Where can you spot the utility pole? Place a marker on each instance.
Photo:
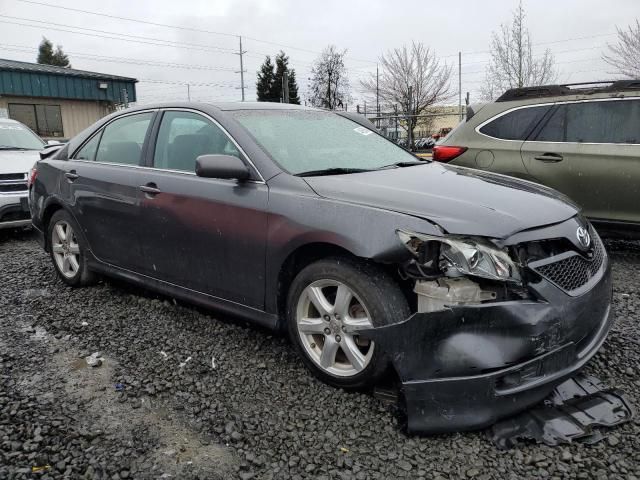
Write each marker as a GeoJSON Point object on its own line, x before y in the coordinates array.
{"type": "Point", "coordinates": [285, 87]}
{"type": "Point", "coordinates": [410, 119]}
{"type": "Point", "coordinates": [188, 92]}
{"type": "Point", "coordinates": [377, 98]}
{"type": "Point", "coordinates": [240, 53]}
{"type": "Point", "coordinates": [125, 96]}
{"type": "Point", "coordinates": [460, 85]}
{"type": "Point", "coordinates": [395, 111]}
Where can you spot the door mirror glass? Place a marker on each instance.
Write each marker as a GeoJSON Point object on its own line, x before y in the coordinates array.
{"type": "Point", "coordinates": [221, 166]}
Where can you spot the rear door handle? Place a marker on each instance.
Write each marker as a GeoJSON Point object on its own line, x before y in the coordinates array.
{"type": "Point", "coordinates": [549, 157]}
{"type": "Point", "coordinates": [71, 176]}
{"type": "Point", "coordinates": [150, 189]}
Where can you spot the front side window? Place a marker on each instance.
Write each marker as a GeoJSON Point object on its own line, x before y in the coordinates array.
{"type": "Point", "coordinates": [45, 120]}
{"type": "Point", "coordinates": [122, 139]}
{"type": "Point", "coordinates": [615, 121]}
{"type": "Point", "coordinates": [308, 140]}
{"type": "Point", "coordinates": [184, 136]}
{"type": "Point", "coordinates": [14, 136]}
{"type": "Point", "coordinates": [515, 125]}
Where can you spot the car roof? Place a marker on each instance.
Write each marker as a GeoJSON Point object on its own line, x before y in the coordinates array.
{"type": "Point", "coordinates": [224, 106]}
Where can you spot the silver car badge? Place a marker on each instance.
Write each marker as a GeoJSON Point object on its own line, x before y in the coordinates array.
{"type": "Point", "coordinates": [584, 239]}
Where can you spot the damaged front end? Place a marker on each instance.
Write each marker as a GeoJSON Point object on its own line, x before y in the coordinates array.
{"type": "Point", "coordinates": [497, 324]}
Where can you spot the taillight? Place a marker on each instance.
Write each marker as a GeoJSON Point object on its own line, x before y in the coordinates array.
{"type": "Point", "coordinates": [445, 153]}
{"type": "Point", "coordinates": [33, 173]}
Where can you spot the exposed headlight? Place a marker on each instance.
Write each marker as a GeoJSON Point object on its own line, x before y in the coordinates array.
{"type": "Point", "coordinates": [462, 255]}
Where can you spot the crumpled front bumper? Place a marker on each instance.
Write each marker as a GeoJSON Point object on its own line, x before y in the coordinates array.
{"type": "Point", "coordinates": [468, 366]}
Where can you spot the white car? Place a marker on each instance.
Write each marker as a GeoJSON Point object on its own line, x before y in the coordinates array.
{"type": "Point", "coordinates": [19, 151]}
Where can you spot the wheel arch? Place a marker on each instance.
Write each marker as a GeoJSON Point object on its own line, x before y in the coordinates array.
{"type": "Point", "coordinates": [53, 206]}
{"type": "Point", "coordinates": [299, 258]}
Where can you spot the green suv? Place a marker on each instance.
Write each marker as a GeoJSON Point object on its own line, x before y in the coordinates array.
{"type": "Point", "coordinates": [581, 139]}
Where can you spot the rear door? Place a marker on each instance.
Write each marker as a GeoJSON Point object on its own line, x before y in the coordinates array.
{"type": "Point", "coordinates": [204, 234]}
{"type": "Point", "coordinates": [101, 183]}
{"type": "Point", "coordinates": [496, 145]}
{"type": "Point", "coordinates": [590, 151]}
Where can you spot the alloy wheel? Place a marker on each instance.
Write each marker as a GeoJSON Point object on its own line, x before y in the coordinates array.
{"type": "Point", "coordinates": [328, 317]}
{"type": "Point", "coordinates": [65, 249]}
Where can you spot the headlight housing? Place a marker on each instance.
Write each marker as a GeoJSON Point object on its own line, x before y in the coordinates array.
{"type": "Point", "coordinates": [458, 255]}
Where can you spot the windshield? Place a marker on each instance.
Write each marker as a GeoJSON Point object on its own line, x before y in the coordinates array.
{"type": "Point", "coordinates": [14, 136]}
{"type": "Point", "coordinates": [311, 141]}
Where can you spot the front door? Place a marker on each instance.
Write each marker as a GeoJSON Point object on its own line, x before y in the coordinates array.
{"type": "Point", "coordinates": [590, 152]}
{"type": "Point", "coordinates": [204, 234]}
{"type": "Point", "coordinates": [102, 185]}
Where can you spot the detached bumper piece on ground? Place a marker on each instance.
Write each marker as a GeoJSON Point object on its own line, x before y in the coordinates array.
{"type": "Point", "coordinates": [570, 413]}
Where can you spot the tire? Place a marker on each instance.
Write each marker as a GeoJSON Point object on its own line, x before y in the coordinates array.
{"type": "Point", "coordinates": [376, 300]}
{"type": "Point", "coordinates": [68, 255]}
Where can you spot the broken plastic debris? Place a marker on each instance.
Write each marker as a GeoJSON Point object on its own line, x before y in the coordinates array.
{"type": "Point", "coordinates": [85, 324]}
{"type": "Point", "coordinates": [94, 360]}
{"type": "Point", "coordinates": [213, 362]}
{"type": "Point", "coordinates": [40, 469]}
{"type": "Point", "coordinates": [570, 413]}
{"type": "Point", "coordinates": [164, 354]}
{"type": "Point", "coordinates": [185, 362]}
{"type": "Point", "coordinates": [119, 387]}
{"type": "Point", "coordinates": [344, 450]}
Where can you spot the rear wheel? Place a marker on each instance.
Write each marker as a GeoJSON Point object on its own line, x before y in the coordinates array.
{"type": "Point", "coordinates": [68, 251]}
{"type": "Point", "coordinates": [330, 302]}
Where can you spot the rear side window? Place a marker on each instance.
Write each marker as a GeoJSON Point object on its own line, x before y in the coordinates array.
{"type": "Point", "coordinates": [515, 125]}
{"type": "Point", "coordinates": [616, 121]}
{"type": "Point", "coordinates": [123, 138]}
{"type": "Point", "coordinates": [184, 136]}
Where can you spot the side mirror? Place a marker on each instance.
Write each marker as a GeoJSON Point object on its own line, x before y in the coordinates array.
{"type": "Point", "coordinates": [221, 166]}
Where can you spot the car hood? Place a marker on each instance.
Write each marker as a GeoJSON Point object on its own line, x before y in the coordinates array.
{"type": "Point", "coordinates": [18, 161]}
{"type": "Point", "coordinates": [462, 201]}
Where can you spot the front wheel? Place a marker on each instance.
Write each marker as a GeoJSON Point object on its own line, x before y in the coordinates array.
{"type": "Point", "coordinates": [329, 303]}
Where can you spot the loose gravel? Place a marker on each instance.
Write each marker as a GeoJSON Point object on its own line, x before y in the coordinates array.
{"type": "Point", "coordinates": [182, 393]}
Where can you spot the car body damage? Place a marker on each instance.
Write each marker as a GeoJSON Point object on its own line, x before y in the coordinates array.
{"type": "Point", "coordinates": [471, 355]}
{"type": "Point", "coordinates": [574, 411]}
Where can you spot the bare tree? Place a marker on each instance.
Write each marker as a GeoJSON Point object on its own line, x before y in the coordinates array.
{"type": "Point", "coordinates": [412, 78]}
{"type": "Point", "coordinates": [329, 81]}
{"type": "Point", "coordinates": [625, 55]}
{"type": "Point", "coordinates": [512, 63]}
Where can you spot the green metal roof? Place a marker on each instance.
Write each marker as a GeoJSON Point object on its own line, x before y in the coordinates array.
{"type": "Point", "coordinates": [35, 80]}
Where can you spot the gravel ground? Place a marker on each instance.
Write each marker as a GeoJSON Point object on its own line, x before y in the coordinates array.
{"type": "Point", "coordinates": [157, 407]}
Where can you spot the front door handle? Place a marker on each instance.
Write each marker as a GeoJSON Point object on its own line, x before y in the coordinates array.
{"type": "Point", "coordinates": [549, 158]}
{"type": "Point", "coordinates": [150, 189]}
{"type": "Point", "coordinates": [71, 176]}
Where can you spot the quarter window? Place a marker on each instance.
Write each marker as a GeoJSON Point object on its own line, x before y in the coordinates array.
{"type": "Point", "coordinates": [88, 152]}
{"type": "Point", "coordinates": [122, 139]}
{"type": "Point", "coordinates": [594, 122]}
{"type": "Point", "coordinates": [515, 125]}
{"type": "Point", "coordinates": [184, 136]}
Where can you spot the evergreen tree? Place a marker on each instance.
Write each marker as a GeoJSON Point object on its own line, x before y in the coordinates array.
{"type": "Point", "coordinates": [282, 65]}
{"type": "Point", "coordinates": [293, 88]}
{"type": "Point", "coordinates": [266, 78]}
{"type": "Point", "coordinates": [47, 56]}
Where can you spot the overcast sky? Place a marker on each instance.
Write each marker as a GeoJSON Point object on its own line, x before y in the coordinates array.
{"type": "Point", "coordinates": [576, 31]}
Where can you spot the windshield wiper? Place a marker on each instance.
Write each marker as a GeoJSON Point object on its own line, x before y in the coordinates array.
{"type": "Point", "coordinates": [331, 171]}
{"type": "Point", "coordinates": [410, 163]}
{"type": "Point", "coordinates": [9, 147]}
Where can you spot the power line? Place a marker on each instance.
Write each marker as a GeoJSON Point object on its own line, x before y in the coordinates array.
{"type": "Point", "coordinates": [137, 37]}
{"type": "Point", "coordinates": [179, 27]}
{"type": "Point", "coordinates": [126, 60]}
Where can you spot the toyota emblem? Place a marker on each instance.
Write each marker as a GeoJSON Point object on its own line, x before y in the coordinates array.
{"type": "Point", "coordinates": [584, 239]}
